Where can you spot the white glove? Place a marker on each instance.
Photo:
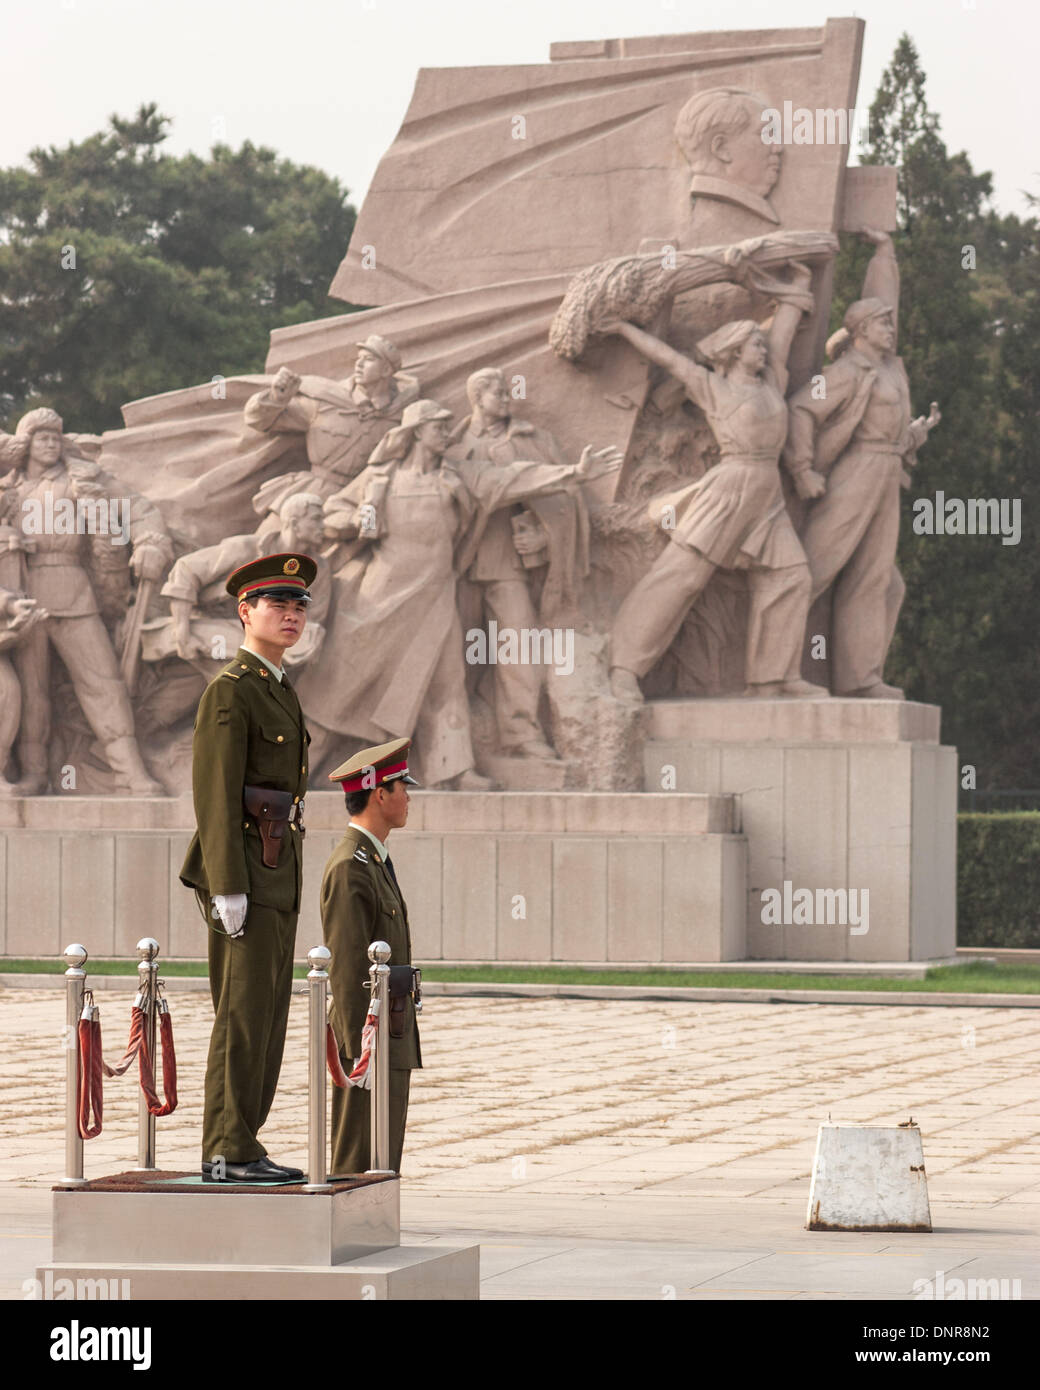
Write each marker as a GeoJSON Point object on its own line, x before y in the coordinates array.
{"type": "Point", "coordinates": [231, 909]}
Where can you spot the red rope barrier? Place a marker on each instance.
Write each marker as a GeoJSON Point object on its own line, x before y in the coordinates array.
{"type": "Point", "coordinates": [336, 1072]}
{"type": "Point", "coordinates": [88, 1079]}
{"type": "Point", "coordinates": [169, 1068]}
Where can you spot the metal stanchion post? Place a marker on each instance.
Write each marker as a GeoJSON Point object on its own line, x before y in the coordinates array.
{"type": "Point", "coordinates": [379, 984]}
{"type": "Point", "coordinates": [75, 983]}
{"type": "Point", "coordinates": [147, 994]}
{"type": "Point", "coordinates": [319, 958]}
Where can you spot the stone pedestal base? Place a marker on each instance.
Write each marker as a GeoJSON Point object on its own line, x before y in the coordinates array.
{"type": "Point", "coordinates": [171, 1240]}
{"type": "Point", "coordinates": [835, 796]}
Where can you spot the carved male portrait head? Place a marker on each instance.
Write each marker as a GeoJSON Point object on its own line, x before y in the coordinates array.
{"type": "Point", "coordinates": [488, 393]}
{"type": "Point", "coordinates": [39, 436]}
{"type": "Point", "coordinates": [720, 134]}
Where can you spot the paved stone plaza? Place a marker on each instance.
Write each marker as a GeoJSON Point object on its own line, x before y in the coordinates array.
{"type": "Point", "coordinates": [606, 1149]}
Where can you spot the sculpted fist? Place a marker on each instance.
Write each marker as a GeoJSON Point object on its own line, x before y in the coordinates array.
{"type": "Point", "coordinates": [809, 484]}
{"type": "Point", "coordinates": [285, 385]}
{"type": "Point", "coordinates": [147, 562]}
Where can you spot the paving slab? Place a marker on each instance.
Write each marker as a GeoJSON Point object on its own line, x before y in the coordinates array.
{"type": "Point", "coordinates": [608, 1148]}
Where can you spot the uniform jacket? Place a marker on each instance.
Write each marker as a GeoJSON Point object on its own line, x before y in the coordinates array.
{"type": "Point", "coordinates": [360, 903]}
{"type": "Point", "coordinates": [249, 731]}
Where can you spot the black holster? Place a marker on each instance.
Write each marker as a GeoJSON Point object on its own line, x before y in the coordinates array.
{"type": "Point", "coordinates": [271, 811]}
{"type": "Point", "coordinates": [405, 983]}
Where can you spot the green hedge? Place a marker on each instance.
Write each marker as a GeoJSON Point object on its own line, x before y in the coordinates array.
{"type": "Point", "coordinates": [998, 879]}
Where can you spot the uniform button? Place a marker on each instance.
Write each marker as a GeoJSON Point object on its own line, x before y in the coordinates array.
{"type": "Point", "coordinates": [244, 667]}
{"type": "Point", "coordinates": [294, 825]}
{"type": "Point", "coordinates": [262, 671]}
{"type": "Point", "coordinates": [304, 769]}
{"type": "Point", "coordinates": [246, 826]}
{"type": "Point", "coordinates": [281, 738]}
{"type": "Point", "coordinates": [296, 801]}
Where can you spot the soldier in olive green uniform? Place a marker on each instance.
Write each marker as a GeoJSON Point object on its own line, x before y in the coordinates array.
{"type": "Point", "coordinates": [361, 902]}
{"type": "Point", "coordinates": [246, 865]}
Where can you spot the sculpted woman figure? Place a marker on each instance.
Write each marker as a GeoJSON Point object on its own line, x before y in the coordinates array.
{"type": "Point", "coordinates": [734, 517]}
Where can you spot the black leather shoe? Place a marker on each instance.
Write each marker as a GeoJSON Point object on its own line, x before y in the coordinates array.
{"type": "Point", "coordinates": [279, 1170]}
{"type": "Point", "coordinates": [257, 1171]}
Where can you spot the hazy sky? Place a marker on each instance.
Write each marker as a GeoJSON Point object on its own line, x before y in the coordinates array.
{"type": "Point", "coordinates": [327, 82]}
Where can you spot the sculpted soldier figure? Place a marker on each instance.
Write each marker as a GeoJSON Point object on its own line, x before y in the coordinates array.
{"type": "Point", "coordinates": [249, 776]}
{"type": "Point", "coordinates": [196, 586]}
{"type": "Point", "coordinates": [362, 902]}
{"type": "Point", "coordinates": [341, 421]}
{"type": "Point", "coordinates": [50, 482]}
{"type": "Point", "coordinates": [848, 450]}
{"type": "Point", "coordinates": [494, 454]}
{"type": "Point", "coordinates": [18, 615]}
{"type": "Point", "coordinates": [734, 517]}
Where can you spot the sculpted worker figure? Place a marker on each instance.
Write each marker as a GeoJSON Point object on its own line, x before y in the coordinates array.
{"type": "Point", "coordinates": [393, 658]}
{"type": "Point", "coordinates": [848, 450]}
{"type": "Point", "coordinates": [58, 576]}
{"type": "Point", "coordinates": [362, 902]}
{"type": "Point", "coordinates": [518, 474]}
{"type": "Point", "coordinates": [734, 517]}
{"type": "Point", "coordinates": [249, 777]}
{"type": "Point", "coordinates": [341, 421]}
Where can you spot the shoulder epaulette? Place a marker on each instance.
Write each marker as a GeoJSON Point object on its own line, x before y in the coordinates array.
{"type": "Point", "coordinates": [361, 854]}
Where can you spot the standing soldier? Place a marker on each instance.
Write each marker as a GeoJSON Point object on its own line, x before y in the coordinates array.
{"type": "Point", "coordinates": [361, 902]}
{"type": "Point", "coordinates": [249, 776]}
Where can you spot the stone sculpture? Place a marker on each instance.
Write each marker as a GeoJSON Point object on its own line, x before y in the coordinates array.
{"type": "Point", "coordinates": [543, 539]}
{"type": "Point", "coordinates": [52, 495]}
{"type": "Point", "coordinates": [847, 447]}
{"type": "Point", "coordinates": [341, 421]}
{"type": "Point", "coordinates": [734, 517]}
{"type": "Point", "coordinates": [430, 537]}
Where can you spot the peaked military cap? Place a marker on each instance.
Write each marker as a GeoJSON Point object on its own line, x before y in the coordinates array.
{"type": "Point", "coordinates": [274, 576]}
{"type": "Point", "coordinates": [373, 767]}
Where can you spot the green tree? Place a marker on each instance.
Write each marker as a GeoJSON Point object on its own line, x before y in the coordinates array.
{"type": "Point", "coordinates": [960, 642]}
{"type": "Point", "coordinates": [125, 271]}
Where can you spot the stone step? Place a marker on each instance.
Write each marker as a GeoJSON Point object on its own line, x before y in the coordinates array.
{"type": "Point", "coordinates": [434, 1271]}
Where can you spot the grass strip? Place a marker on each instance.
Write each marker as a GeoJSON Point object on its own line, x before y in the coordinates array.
{"type": "Point", "coordinates": [975, 977]}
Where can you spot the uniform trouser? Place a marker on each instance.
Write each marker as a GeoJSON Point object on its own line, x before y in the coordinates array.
{"type": "Point", "coordinates": [850, 541]}
{"type": "Point", "coordinates": [250, 980]}
{"type": "Point", "coordinates": [517, 687]}
{"type": "Point", "coordinates": [650, 617]}
{"type": "Point", "coordinates": [352, 1122]}
{"type": "Point", "coordinates": [442, 728]}
{"type": "Point", "coordinates": [86, 649]}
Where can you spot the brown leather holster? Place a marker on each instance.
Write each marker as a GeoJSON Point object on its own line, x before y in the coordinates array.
{"type": "Point", "coordinates": [272, 812]}
{"type": "Point", "coordinates": [405, 983]}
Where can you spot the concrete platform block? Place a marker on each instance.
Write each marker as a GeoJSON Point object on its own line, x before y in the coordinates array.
{"type": "Point", "coordinates": [868, 1178]}
{"type": "Point", "coordinates": [136, 1221]}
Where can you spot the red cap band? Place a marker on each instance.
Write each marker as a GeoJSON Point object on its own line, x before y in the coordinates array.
{"type": "Point", "coordinates": [383, 774]}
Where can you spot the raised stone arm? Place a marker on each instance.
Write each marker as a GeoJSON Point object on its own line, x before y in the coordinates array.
{"type": "Point", "coordinates": [882, 278]}
{"type": "Point", "coordinates": [279, 409]}
{"type": "Point", "coordinates": [691, 374]}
